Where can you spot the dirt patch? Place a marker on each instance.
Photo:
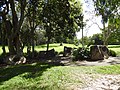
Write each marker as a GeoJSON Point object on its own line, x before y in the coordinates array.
{"type": "Point", "coordinates": [104, 82]}
{"type": "Point", "coordinates": [96, 82]}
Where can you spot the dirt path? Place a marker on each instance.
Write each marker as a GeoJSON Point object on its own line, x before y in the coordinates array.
{"type": "Point", "coordinates": [68, 61]}
{"type": "Point", "coordinates": [97, 82]}
{"type": "Point", "coordinates": [104, 82]}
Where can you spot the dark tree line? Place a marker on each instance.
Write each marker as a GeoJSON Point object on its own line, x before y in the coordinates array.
{"type": "Point", "coordinates": [21, 19]}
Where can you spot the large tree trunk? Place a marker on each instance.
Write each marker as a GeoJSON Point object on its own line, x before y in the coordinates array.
{"type": "Point", "coordinates": [3, 43]}
{"type": "Point", "coordinates": [18, 46]}
{"type": "Point", "coordinates": [12, 27]}
{"type": "Point", "coordinates": [104, 35]}
{"type": "Point", "coordinates": [2, 30]}
{"type": "Point", "coordinates": [9, 34]}
{"type": "Point", "coordinates": [16, 27]}
{"type": "Point", "coordinates": [48, 42]}
{"type": "Point", "coordinates": [11, 46]}
{"type": "Point", "coordinates": [32, 39]}
{"type": "Point", "coordinates": [28, 49]}
{"type": "Point", "coordinates": [33, 47]}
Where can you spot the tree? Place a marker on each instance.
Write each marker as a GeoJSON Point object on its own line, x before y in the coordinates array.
{"type": "Point", "coordinates": [97, 39]}
{"type": "Point", "coordinates": [32, 16]}
{"type": "Point", "coordinates": [115, 32]}
{"type": "Point", "coordinates": [13, 26]}
{"type": "Point", "coordinates": [54, 15]}
{"type": "Point", "coordinates": [107, 9]}
{"type": "Point", "coordinates": [3, 36]}
{"type": "Point", "coordinates": [86, 40]}
{"type": "Point", "coordinates": [59, 18]}
{"type": "Point", "coordinates": [40, 37]}
{"type": "Point", "coordinates": [26, 35]}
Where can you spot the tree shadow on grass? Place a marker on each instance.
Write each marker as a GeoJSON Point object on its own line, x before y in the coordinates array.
{"type": "Point", "coordinates": [33, 70]}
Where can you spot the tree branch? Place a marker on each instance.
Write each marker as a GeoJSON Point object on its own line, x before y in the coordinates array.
{"type": "Point", "coordinates": [14, 18]}
{"type": "Point", "coordinates": [7, 5]}
{"type": "Point", "coordinates": [22, 8]}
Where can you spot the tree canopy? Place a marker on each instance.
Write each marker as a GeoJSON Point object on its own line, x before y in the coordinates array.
{"type": "Point", "coordinates": [109, 10]}
{"type": "Point", "coordinates": [23, 17]}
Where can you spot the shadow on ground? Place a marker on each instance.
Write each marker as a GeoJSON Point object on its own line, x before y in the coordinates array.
{"type": "Point", "coordinates": [67, 61]}
{"type": "Point", "coordinates": [33, 70]}
{"type": "Point", "coordinates": [36, 69]}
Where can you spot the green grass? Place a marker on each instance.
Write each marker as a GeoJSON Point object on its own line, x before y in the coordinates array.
{"type": "Point", "coordinates": [59, 48]}
{"type": "Point", "coordinates": [39, 76]}
{"type": "Point", "coordinates": [56, 46]}
{"type": "Point", "coordinates": [115, 48]}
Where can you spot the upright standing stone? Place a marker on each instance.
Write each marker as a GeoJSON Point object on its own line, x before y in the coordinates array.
{"type": "Point", "coordinates": [99, 52]}
{"type": "Point", "coordinates": [67, 51]}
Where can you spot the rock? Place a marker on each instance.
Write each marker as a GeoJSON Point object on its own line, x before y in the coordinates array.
{"type": "Point", "coordinates": [51, 53]}
{"type": "Point", "coordinates": [99, 52]}
{"type": "Point", "coordinates": [9, 59]}
{"type": "Point", "coordinates": [105, 51]}
{"type": "Point", "coordinates": [22, 60]}
{"type": "Point", "coordinates": [47, 54]}
{"type": "Point", "coordinates": [67, 51]}
{"type": "Point", "coordinates": [14, 59]}
{"type": "Point", "coordinates": [42, 54]}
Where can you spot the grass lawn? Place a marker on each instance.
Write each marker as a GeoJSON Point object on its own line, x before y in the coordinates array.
{"type": "Point", "coordinates": [59, 48]}
{"type": "Point", "coordinates": [39, 76]}
{"type": "Point", "coordinates": [56, 46]}
{"type": "Point", "coordinates": [115, 48]}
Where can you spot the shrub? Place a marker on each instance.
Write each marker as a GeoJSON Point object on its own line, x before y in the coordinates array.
{"type": "Point", "coordinates": [112, 53]}
{"type": "Point", "coordinates": [81, 54]}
